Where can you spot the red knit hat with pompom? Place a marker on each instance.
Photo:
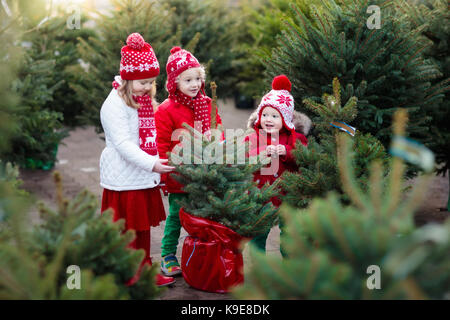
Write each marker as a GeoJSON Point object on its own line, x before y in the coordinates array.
{"type": "Point", "coordinates": [281, 99]}
{"type": "Point", "coordinates": [138, 59]}
{"type": "Point", "coordinates": [179, 60]}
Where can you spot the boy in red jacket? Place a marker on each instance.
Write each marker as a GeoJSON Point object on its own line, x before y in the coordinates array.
{"type": "Point", "coordinates": [187, 103]}
{"type": "Point", "coordinates": [276, 133]}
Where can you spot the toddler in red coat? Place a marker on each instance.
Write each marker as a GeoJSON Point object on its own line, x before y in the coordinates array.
{"type": "Point", "coordinates": [277, 129]}
{"type": "Point", "coordinates": [187, 103]}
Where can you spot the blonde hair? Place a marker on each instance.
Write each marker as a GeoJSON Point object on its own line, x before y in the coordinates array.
{"type": "Point", "coordinates": [126, 93]}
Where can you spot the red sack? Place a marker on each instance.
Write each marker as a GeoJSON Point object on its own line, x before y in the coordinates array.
{"type": "Point", "coordinates": [211, 259]}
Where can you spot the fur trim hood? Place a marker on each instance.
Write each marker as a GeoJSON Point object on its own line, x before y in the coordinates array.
{"type": "Point", "coordinates": [300, 120]}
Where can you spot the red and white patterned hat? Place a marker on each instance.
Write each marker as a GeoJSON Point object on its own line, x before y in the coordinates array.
{"type": "Point", "coordinates": [281, 99]}
{"type": "Point", "coordinates": [138, 59]}
{"type": "Point", "coordinates": [180, 60]}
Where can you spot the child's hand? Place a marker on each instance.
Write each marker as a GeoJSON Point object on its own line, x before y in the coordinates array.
{"type": "Point", "coordinates": [271, 150]}
{"type": "Point", "coordinates": [161, 168]}
{"type": "Point", "coordinates": [281, 150]}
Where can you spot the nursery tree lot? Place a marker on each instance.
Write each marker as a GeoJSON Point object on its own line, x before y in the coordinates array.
{"type": "Point", "coordinates": [346, 209]}
{"type": "Point", "coordinates": [402, 64]}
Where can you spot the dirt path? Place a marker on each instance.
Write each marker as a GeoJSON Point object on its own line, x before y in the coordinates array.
{"type": "Point", "coordinates": [78, 159]}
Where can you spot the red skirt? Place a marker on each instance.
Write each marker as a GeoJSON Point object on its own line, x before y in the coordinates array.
{"type": "Point", "coordinates": [141, 209]}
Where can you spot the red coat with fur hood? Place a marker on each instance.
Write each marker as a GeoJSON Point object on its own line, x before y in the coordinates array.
{"type": "Point", "coordinates": [278, 165]}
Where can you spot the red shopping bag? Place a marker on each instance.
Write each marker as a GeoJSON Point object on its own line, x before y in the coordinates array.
{"type": "Point", "coordinates": [211, 259]}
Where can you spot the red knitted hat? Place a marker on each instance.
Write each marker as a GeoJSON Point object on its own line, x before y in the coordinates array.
{"type": "Point", "coordinates": [279, 98]}
{"type": "Point", "coordinates": [138, 59]}
{"type": "Point", "coordinates": [180, 60]}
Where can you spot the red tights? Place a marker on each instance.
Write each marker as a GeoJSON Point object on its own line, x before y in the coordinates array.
{"type": "Point", "coordinates": [142, 241]}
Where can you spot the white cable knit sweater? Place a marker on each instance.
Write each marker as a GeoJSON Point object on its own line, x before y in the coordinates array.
{"type": "Point", "coordinates": [123, 165]}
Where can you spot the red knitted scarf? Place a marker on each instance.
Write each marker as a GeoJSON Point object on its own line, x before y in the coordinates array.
{"type": "Point", "coordinates": [200, 106]}
{"type": "Point", "coordinates": [147, 127]}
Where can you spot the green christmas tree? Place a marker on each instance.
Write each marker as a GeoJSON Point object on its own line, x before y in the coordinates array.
{"type": "Point", "coordinates": [34, 262]}
{"type": "Point", "coordinates": [334, 249]}
{"type": "Point", "coordinates": [223, 192]}
{"type": "Point", "coordinates": [10, 56]}
{"type": "Point", "coordinates": [218, 179]}
{"type": "Point", "coordinates": [318, 173]}
{"type": "Point", "coordinates": [432, 19]}
{"type": "Point", "coordinates": [383, 67]}
{"type": "Point", "coordinates": [58, 42]}
{"type": "Point", "coordinates": [27, 274]}
{"type": "Point", "coordinates": [38, 129]}
{"type": "Point", "coordinates": [212, 21]}
{"type": "Point", "coordinates": [11, 198]}
{"type": "Point", "coordinates": [260, 24]}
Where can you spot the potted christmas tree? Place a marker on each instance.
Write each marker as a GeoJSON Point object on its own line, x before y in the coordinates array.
{"type": "Point", "coordinates": [223, 206]}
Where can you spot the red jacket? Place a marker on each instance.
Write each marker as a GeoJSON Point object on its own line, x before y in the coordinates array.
{"type": "Point", "coordinates": [278, 165]}
{"type": "Point", "coordinates": [170, 116]}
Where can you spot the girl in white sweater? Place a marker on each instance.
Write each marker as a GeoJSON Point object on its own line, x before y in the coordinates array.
{"type": "Point", "coordinates": [130, 167]}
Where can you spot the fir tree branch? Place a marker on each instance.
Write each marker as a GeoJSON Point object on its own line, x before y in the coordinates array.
{"type": "Point", "coordinates": [358, 34]}
{"type": "Point", "coordinates": [340, 235]}
{"type": "Point", "coordinates": [380, 50]}
{"type": "Point", "coordinates": [376, 187]}
{"type": "Point", "coordinates": [347, 179]}
{"type": "Point", "coordinates": [299, 37]}
{"type": "Point", "coordinates": [413, 56]}
{"type": "Point", "coordinates": [361, 49]}
{"type": "Point", "coordinates": [398, 168]}
{"type": "Point", "coordinates": [312, 275]}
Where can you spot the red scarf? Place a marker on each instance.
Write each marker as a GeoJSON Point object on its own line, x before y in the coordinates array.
{"type": "Point", "coordinates": [147, 127]}
{"type": "Point", "coordinates": [200, 105]}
